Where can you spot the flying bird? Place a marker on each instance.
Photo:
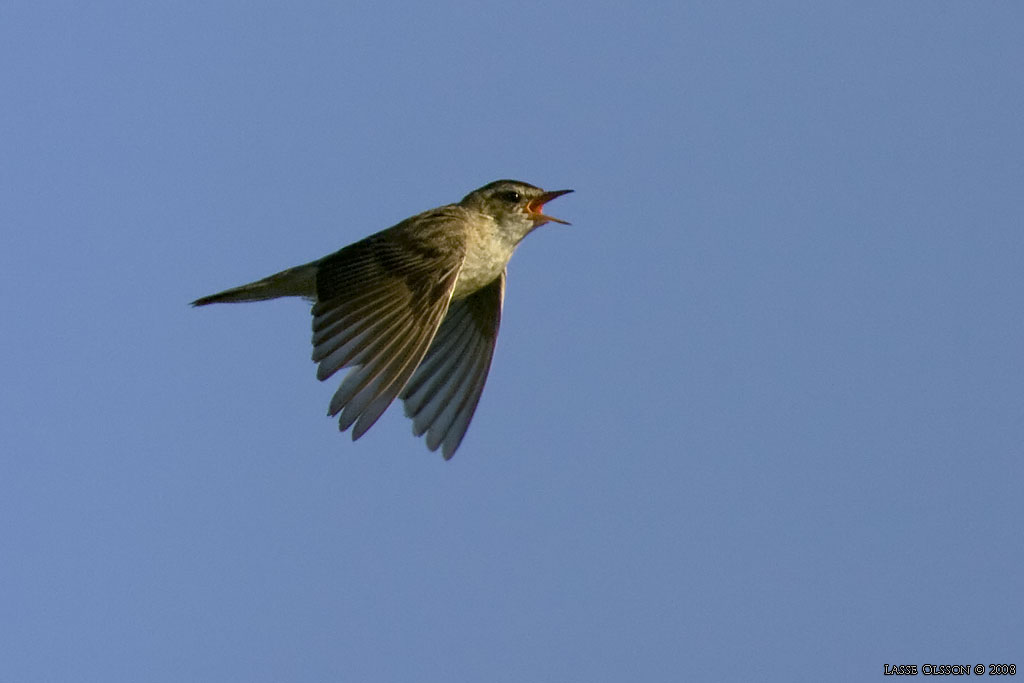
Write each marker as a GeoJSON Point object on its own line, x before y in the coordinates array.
{"type": "Point", "coordinates": [413, 311]}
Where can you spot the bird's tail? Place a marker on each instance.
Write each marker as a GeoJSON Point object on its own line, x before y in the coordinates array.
{"type": "Point", "coordinates": [297, 281]}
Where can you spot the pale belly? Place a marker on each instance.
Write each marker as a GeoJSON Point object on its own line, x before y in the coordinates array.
{"type": "Point", "coordinates": [485, 261]}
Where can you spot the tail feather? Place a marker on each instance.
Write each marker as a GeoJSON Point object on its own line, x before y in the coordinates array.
{"type": "Point", "coordinates": [297, 281]}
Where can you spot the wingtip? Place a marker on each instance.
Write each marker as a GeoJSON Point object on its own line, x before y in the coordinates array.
{"type": "Point", "coordinates": [206, 300]}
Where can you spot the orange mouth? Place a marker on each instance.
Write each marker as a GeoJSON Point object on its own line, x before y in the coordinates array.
{"type": "Point", "coordinates": [536, 207]}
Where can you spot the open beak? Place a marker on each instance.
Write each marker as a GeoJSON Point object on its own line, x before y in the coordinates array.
{"type": "Point", "coordinates": [536, 207]}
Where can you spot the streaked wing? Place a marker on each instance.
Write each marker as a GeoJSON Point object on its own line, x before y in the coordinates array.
{"type": "Point", "coordinates": [442, 396]}
{"type": "Point", "coordinates": [380, 302]}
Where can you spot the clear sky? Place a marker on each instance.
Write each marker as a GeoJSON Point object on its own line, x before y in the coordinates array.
{"type": "Point", "coordinates": [758, 414]}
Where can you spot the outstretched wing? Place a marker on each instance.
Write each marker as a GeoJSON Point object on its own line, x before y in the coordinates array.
{"type": "Point", "coordinates": [379, 304]}
{"type": "Point", "coordinates": [442, 396]}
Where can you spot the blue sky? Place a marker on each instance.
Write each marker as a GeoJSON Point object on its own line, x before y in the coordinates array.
{"type": "Point", "coordinates": [757, 414]}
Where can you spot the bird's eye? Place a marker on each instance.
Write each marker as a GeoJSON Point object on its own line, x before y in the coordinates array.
{"type": "Point", "coordinates": [510, 196]}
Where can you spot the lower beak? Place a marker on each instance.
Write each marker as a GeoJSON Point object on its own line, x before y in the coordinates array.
{"type": "Point", "coordinates": [536, 207]}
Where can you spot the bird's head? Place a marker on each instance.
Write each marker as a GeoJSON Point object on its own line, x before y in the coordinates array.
{"type": "Point", "coordinates": [516, 206]}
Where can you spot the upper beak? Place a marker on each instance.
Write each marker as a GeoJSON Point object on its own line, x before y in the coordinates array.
{"type": "Point", "coordinates": [536, 207]}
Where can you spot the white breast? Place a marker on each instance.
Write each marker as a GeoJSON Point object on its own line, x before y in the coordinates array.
{"type": "Point", "coordinates": [487, 254]}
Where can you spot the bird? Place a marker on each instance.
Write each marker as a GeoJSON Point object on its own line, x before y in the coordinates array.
{"type": "Point", "coordinates": [413, 311]}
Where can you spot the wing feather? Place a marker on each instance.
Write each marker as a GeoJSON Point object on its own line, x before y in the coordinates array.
{"type": "Point", "coordinates": [443, 393]}
{"type": "Point", "coordinates": [379, 305]}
